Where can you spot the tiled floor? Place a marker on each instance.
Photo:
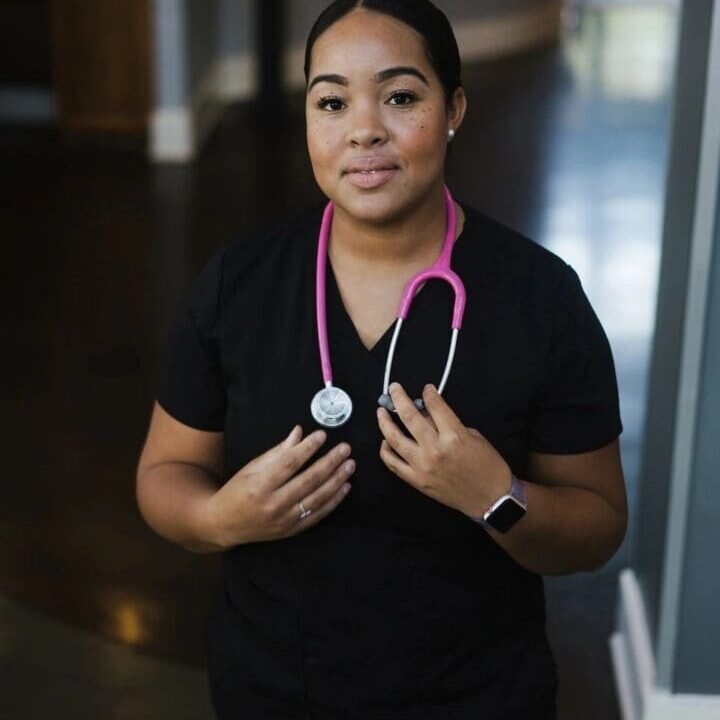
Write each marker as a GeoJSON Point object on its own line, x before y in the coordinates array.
{"type": "Point", "coordinates": [100, 618]}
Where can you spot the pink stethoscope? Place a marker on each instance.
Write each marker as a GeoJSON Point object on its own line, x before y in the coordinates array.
{"type": "Point", "coordinates": [331, 406]}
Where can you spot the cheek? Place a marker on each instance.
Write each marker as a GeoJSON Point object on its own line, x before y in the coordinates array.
{"type": "Point", "coordinates": [320, 143]}
{"type": "Point", "coordinates": [422, 133]}
{"type": "Point", "coordinates": [318, 146]}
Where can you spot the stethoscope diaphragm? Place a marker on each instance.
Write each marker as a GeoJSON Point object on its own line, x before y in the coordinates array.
{"type": "Point", "coordinates": [331, 406]}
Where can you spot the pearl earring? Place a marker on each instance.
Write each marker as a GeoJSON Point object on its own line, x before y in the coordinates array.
{"type": "Point", "coordinates": [451, 134]}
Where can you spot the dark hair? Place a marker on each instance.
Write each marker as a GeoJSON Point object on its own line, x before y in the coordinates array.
{"type": "Point", "coordinates": [421, 15]}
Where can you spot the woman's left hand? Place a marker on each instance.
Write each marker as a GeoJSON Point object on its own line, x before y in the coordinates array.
{"type": "Point", "coordinates": [443, 458]}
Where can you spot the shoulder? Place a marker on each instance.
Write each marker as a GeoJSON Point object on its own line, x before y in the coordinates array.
{"type": "Point", "coordinates": [513, 258]}
{"type": "Point", "coordinates": [235, 271]}
{"type": "Point", "coordinates": [249, 258]}
{"type": "Point", "coordinates": [271, 250]}
{"type": "Point", "coordinates": [496, 240]}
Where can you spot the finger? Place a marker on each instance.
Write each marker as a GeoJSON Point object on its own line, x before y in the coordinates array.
{"type": "Point", "coordinates": [396, 464]}
{"type": "Point", "coordinates": [412, 418]}
{"type": "Point", "coordinates": [290, 459]}
{"type": "Point", "coordinates": [288, 441]}
{"type": "Point", "coordinates": [404, 446]}
{"type": "Point", "coordinates": [272, 453]}
{"type": "Point", "coordinates": [293, 437]}
{"type": "Point", "coordinates": [312, 477]}
{"type": "Point", "coordinates": [329, 502]}
{"type": "Point", "coordinates": [441, 413]}
{"type": "Point", "coordinates": [325, 491]}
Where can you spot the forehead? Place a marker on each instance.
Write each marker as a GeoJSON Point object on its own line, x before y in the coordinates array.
{"type": "Point", "coordinates": [363, 41]}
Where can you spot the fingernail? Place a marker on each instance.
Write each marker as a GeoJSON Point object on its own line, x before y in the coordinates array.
{"type": "Point", "coordinates": [394, 386]}
{"type": "Point", "coordinates": [321, 436]}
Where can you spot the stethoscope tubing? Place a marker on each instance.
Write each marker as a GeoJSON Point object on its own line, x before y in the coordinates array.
{"type": "Point", "coordinates": [440, 269]}
{"type": "Point", "coordinates": [320, 294]}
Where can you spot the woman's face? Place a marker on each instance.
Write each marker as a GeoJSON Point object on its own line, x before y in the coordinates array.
{"type": "Point", "coordinates": [377, 121]}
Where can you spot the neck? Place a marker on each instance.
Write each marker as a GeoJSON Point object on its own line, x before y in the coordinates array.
{"type": "Point", "coordinates": [412, 238]}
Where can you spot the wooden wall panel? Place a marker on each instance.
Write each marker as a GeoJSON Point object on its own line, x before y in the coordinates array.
{"type": "Point", "coordinates": [102, 63]}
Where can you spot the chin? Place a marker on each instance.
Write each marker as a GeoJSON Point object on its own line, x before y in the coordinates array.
{"type": "Point", "coordinates": [378, 206]}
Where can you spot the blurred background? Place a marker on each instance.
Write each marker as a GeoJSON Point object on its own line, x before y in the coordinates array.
{"type": "Point", "coordinates": [137, 136]}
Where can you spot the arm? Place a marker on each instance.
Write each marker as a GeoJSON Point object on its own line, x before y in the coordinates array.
{"type": "Point", "coordinates": [576, 512]}
{"type": "Point", "coordinates": [178, 491]}
{"type": "Point", "coordinates": [178, 472]}
{"type": "Point", "coordinates": [576, 506]}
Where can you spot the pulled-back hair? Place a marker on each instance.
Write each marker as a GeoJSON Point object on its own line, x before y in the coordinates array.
{"type": "Point", "coordinates": [421, 15]}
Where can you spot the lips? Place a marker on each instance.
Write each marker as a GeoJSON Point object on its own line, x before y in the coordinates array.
{"type": "Point", "coordinates": [370, 173]}
{"type": "Point", "coordinates": [371, 165]}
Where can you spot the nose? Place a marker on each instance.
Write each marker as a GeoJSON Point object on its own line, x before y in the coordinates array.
{"type": "Point", "coordinates": [366, 126]}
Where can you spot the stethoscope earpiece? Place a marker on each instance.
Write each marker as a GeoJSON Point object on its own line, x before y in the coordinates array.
{"type": "Point", "coordinates": [386, 401]}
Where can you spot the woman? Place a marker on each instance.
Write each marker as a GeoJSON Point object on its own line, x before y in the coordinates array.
{"type": "Point", "coordinates": [407, 597]}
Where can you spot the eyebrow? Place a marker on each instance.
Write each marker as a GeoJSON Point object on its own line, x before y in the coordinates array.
{"type": "Point", "coordinates": [381, 77]}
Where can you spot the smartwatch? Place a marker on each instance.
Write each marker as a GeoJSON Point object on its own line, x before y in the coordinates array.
{"type": "Point", "coordinates": [506, 510]}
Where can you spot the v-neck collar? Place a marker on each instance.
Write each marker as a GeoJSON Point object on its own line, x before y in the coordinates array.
{"type": "Point", "coordinates": [344, 322]}
{"type": "Point", "coordinates": [335, 307]}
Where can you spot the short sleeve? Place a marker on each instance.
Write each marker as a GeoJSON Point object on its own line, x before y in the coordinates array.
{"type": "Point", "coordinates": [576, 406]}
{"type": "Point", "coordinates": [190, 384]}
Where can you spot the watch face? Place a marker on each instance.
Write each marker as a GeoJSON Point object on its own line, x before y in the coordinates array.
{"type": "Point", "coordinates": [506, 515]}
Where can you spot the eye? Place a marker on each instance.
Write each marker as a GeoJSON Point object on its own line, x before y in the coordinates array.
{"type": "Point", "coordinates": [323, 103]}
{"type": "Point", "coordinates": [406, 96]}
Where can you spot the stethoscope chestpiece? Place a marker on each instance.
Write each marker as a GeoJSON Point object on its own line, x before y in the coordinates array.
{"type": "Point", "coordinates": [331, 406]}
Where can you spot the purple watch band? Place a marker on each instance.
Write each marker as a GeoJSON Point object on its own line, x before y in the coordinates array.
{"type": "Point", "coordinates": [517, 489]}
{"type": "Point", "coordinates": [517, 493]}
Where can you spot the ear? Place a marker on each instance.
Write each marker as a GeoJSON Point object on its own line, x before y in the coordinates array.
{"type": "Point", "coordinates": [456, 108]}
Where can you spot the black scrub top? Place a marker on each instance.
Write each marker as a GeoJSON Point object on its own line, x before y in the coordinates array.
{"type": "Point", "coordinates": [394, 603]}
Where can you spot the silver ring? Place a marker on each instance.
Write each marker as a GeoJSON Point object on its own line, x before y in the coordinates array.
{"type": "Point", "coordinates": [305, 512]}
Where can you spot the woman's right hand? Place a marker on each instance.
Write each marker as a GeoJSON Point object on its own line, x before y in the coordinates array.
{"type": "Point", "coordinates": [262, 500]}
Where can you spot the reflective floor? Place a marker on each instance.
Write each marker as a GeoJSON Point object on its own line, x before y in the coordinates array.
{"type": "Point", "coordinates": [98, 616]}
